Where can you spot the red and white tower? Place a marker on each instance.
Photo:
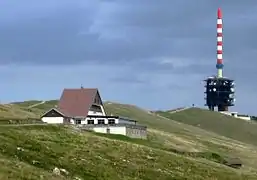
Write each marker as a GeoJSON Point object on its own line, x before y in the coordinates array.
{"type": "Point", "coordinates": [219, 64]}
{"type": "Point", "coordinates": [219, 90]}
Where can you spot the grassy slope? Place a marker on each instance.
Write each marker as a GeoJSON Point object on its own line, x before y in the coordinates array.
{"type": "Point", "coordinates": [26, 103]}
{"type": "Point", "coordinates": [221, 124]}
{"type": "Point", "coordinates": [89, 156]}
{"type": "Point", "coordinates": [14, 111]}
{"type": "Point", "coordinates": [21, 110]}
{"type": "Point", "coordinates": [165, 136]}
{"type": "Point", "coordinates": [173, 134]}
{"type": "Point", "coordinates": [46, 106]}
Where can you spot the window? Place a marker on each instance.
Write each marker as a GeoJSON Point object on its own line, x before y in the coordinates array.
{"type": "Point", "coordinates": [97, 99]}
{"type": "Point", "coordinates": [111, 121]}
{"type": "Point", "coordinates": [100, 121]}
{"type": "Point", "coordinates": [78, 121]}
{"type": "Point", "coordinates": [90, 121]}
{"type": "Point", "coordinates": [95, 108]}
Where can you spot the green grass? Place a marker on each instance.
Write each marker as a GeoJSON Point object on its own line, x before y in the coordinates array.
{"type": "Point", "coordinates": [142, 117]}
{"type": "Point", "coordinates": [19, 121]}
{"type": "Point", "coordinates": [169, 134]}
{"type": "Point", "coordinates": [15, 111]}
{"type": "Point", "coordinates": [26, 103]}
{"type": "Point", "coordinates": [157, 145]}
{"type": "Point", "coordinates": [47, 105]}
{"type": "Point", "coordinates": [89, 156]}
{"type": "Point", "coordinates": [224, 125]}
{"type": "Point", "coordinates": [173, 149]}
{"type": "Point", "coordinates": [21, 111]}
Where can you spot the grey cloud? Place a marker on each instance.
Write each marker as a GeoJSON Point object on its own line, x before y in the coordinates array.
{"type": "Point", "coordinates": [176, 29]}
{"type": "Point", "coordinates": [136, 34]}
{"type": "Point", "coordinates": [147, 46]}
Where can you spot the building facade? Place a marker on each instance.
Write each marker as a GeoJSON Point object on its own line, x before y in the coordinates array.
{"type": "Point", "coordinates": [115, 125]}
{"type": "Point", "coordinates": [84, 108]}
{"type": "Point", "coordinates": [239, 116]}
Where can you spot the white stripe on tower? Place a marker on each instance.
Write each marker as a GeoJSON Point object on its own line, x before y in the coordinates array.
{"type": "Point", "coordinates": [219, 43]}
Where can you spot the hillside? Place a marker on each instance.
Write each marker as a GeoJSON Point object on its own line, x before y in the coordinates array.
{"type": "Point", "coordinates": [15, 111]}
{"type": "Point", "coordinates": [26, 109]}
{"type": "Point", "coordinates": [171, 142]}
{"type": "Point", "coordinates": [37, 150]}
{"type": "Point", "coordinates": [216, 122]}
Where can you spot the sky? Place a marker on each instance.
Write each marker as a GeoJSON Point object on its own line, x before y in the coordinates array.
{"type": "Point", "coordinates": [154, 54]}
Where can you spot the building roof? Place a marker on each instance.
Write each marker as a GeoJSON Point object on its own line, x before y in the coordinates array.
{"type": "Point", "coordinates": [76, 102]}
{"type": "Point", "coordinates": [52, 109]}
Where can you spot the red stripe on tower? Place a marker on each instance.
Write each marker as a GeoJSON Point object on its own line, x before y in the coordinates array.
{"type": "Point", "coordinates": [219, 40]}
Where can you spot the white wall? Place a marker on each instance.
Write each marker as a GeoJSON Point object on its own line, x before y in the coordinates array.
{"type": "Point", "coordinates": [117, 121]}
{"type": "Point", "coordinates": [96, 120]}
{"type": "Point", "coordinates": [113, 130]}
{"type": "Point", "coordinates": [236, 115]}
{"type": "Point", "coordinates": [83, 121]}
{"type": "Point", "coordinates": [53, 120]}
{"type": "Point", "coordinates": [244, 118]}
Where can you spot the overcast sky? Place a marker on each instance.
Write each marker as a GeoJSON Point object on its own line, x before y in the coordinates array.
{"type": "Point", "coordinates": [150, 53]}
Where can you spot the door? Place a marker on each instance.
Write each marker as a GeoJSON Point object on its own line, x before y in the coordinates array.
{"type": "Point", "coordinates": [108, 130]}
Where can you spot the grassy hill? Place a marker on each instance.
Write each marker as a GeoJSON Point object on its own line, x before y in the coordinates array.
{"type": "Point", "coordinates": [33, 152]}
{"type": "Point", "coordinates": [23, 110]}
{"type": "Point", "coordinates": [173, 149]}
{"type": "Point", "coordinates": [216, 122]}
{"type": "Point", "coordinates": [46, 105]}
{"type": "Point", "coordinates": [15, 111]}
{"type": "Point", "coordinates": [26, 103]}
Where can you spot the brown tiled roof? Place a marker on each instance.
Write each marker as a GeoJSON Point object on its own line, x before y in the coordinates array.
{"type": "Point", "coordinates": [76, 102]}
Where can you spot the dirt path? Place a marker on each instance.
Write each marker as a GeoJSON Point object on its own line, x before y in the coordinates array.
{"type": "Point", "coordinates": [37, 104]}
{"type": "Point", "coordinates": [183, 109]}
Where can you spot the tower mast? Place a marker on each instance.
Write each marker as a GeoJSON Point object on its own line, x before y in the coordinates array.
{"type": "Point", "coordinates": [219, 64]}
